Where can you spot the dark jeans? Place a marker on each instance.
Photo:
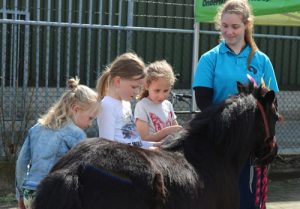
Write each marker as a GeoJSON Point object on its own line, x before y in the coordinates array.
{"type": "Point", "coordinates": [247, 198]}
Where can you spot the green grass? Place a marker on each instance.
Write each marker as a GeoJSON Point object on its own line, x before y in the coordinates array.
{"type": "Point", "coordinates": [8, 199]}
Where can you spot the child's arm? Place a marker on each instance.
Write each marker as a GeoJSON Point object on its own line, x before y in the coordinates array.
{"type": "Point", "coordinates": [143, 129]}
{"type": "Point", "coordinates": [21, 167]}
{"type": "Point", "coordinates": [106, 122]}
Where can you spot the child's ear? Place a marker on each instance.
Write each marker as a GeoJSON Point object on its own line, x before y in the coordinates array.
{"type": "Point", "coordinates": [116, 81]}
{"type": "Point", "coordinates": [146, 85]}
{"type": "Point", "coordinates": [75, 108]}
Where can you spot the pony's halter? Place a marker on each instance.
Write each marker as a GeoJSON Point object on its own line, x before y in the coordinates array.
{"type": "Point", "coordinates": [266, 124]}
{"type": "Point", "coordinates": [261, 172]}
{"type": "Point", "coordinates": [263, 114]}
{"type": "Point", "coordinates": [267, 130]}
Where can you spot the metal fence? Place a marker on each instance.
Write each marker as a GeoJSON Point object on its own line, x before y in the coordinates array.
{"type": "Point", "coordinates": [45, 42]}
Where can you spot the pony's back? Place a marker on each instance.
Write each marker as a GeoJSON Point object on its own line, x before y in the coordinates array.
{"type": "Point", "coordinates": [116, 175]}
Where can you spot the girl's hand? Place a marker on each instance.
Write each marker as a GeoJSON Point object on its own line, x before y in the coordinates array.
{"type": "Point", "coordinates": [153, 148]}
{"type": "Point", "coordinates": [155, 145]}
{"type": "Point", "coordinates": [175, 128]}
{"type": "Point", "coordinates": [21, 204]}
{"type": "Point", "coordinates": [151, 145]}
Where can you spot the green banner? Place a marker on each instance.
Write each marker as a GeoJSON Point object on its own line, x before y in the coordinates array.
{"type": "Point", "coordinates": [266, 12]}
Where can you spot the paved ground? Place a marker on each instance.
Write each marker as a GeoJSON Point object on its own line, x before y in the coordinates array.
{"type": "Point", "coordinates": [283, 194]}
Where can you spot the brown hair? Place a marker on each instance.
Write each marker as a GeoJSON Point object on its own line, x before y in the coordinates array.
{"type": "Point", "coordinates": [60, 113]}
{"type": "Point", "coordinates": [240, 7]}
{"type": "Point", "coordinates": [156, 70]}
{"type": "Point", "coordinates": [127, 66]}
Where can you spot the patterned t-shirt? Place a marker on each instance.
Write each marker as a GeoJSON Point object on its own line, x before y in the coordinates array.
{"type": "Point", "coordinates": [115, 122]}
{"type": "Point", "coordinates": [158, 116]}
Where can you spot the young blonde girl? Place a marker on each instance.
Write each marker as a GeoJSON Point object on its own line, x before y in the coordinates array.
{"type": "Point", "coordinates": [118, 85]}
{"type": "Point", "coordinates": [154, 114]}
{"type": "Point", "coordinates": [56, 132]}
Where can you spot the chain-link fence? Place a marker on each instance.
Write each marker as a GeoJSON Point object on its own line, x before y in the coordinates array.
{"type": "Point", "coordinates": [43, 43]}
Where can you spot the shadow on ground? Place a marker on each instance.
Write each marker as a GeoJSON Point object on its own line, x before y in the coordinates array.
{"type": "Point", "coordinates": [287, 190]}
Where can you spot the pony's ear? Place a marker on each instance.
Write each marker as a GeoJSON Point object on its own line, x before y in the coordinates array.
{"type": "Point", "coordinates": [269, 97]}
{"type": "Point", "coordinates": [240, 87]}
{"type": "Point", "coordinates": [252, 80]}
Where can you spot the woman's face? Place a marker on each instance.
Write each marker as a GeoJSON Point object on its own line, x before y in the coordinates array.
{"type": "Point", "coordinates": [233, 29]}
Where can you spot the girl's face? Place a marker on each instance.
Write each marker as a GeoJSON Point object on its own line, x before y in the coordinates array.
{"type": "Point", "coordinates": [128, 89]}
{"type": "Point", "coordinates": [233, 29]}
{"type": "Point", "coordinates": [159, 90]}
{"type": "Point", "coordinates": [84, 118]}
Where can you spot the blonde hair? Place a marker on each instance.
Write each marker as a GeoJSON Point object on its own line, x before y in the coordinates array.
{"type": "Point", "coordinates": [126, 66]}
{"type": "Point", "coordinates": [60, 113]}
{"type": "Point", "coordinates": [156, 70]}
{"type": "Point", "coordinates": [240, 7]}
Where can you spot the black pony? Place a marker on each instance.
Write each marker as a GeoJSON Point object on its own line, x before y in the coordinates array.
{"type": "Point", "coordinates": [198, 170]}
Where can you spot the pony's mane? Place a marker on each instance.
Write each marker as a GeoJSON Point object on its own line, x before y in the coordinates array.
{"type": "Point", "coordinates": [222, 124]}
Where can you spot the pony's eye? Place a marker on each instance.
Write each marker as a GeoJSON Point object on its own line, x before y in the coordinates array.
{"type": "Point", "coordinates": [279, 117]}
{"type": "Point", "coordinates": [275, 104]}
{"type": "Point", "coordinates": [276, 117]}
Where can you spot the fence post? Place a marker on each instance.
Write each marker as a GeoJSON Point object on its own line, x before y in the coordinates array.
{"type": "Point", "coordinates": [195, 59]}
{"type": "Point", "coordinates": [129, 23]}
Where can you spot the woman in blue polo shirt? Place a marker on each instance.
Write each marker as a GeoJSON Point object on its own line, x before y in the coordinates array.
{"type": "Point", "coordinates": [220, 68]}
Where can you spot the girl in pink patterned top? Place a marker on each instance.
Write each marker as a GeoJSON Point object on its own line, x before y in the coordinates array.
{"type": "Point", "coordinates": [154, 114]}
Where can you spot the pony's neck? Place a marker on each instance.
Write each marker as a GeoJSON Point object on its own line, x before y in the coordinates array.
{"type": "Point", "coordinates": [226, 134]}
{"type": "Point", "coordinates": [209, 160]}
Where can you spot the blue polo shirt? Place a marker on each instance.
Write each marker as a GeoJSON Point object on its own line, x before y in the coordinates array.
{"type": "Point", "coordinates": [220, 69]}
